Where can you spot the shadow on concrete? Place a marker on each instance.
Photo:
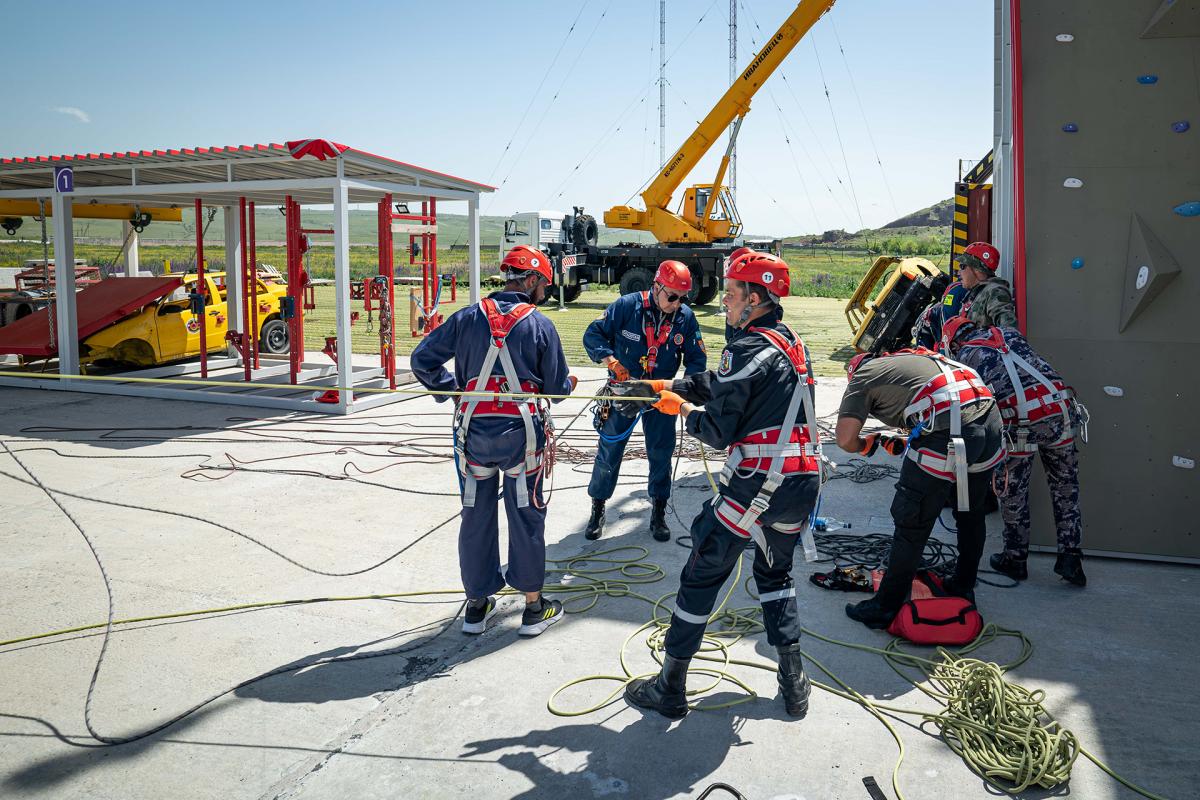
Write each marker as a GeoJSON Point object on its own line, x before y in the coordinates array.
{"type": "Point", "coordinates": [650, 757]}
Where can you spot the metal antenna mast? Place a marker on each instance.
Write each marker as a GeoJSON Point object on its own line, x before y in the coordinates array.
{"type": "Point", "coordinates": [662, 82]}
{"type": "Point", "coordinates": [732, 78]}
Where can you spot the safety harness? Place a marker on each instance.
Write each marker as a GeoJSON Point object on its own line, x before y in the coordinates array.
{"type": "Point", "coordinates": [655, 337]}
{"type": "Point", "coordinates": [788, 449]}
{"type": "Point", "coordinates": [954, 387]}
{"type": "Point", "coordinates": [501, 325]}
{"type": "Point", "coordinates": [1044, 397]}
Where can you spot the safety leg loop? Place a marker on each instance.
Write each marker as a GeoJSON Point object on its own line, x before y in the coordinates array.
{"type": "Point", "coordinates": [530, 461]}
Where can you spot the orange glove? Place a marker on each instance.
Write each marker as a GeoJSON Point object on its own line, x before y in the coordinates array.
{"type": "Point", "coordinates": [659, 384]}
{"type": "Point", "coordinates": [618, 370]}
{"type": "Point", "coordinates": [894, 445]}
{"type": "Point", "coordinates": [870, 445]}
{"type": "Point", "coordinates": [573, 381]}
{"type": "Point", "coordinates": [669, 402]}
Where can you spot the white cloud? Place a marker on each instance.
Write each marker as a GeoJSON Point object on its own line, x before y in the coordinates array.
{"type": "Point", "coordinates": [72, 111]}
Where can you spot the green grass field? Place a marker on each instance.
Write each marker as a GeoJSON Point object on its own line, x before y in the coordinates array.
{"type": "Point", "coordinates": [818, 320]}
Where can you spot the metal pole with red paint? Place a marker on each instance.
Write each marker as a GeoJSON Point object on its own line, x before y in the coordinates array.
{"type": "Point", "coordinates": [253, 278]}
{"type": "Point", "coordinates": [244, 344]}
{"type": "Point", "coordinates": [201, 289]}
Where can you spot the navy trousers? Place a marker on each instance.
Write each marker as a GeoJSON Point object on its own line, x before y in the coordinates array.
{"type": "Point", "coordinates": [715, 554]}
{"type": "Point", "coordinates": [500, 443]}
{"type": "Point", "coordinates": [660, 434]}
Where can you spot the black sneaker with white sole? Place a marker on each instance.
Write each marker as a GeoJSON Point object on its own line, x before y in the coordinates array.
{"type": "Point", "coordinates": [540, 616]}
{"type": "Point", "coordinates": [477, 614]}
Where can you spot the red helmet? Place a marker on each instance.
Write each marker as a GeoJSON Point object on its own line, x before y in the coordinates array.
{"type": "Point", "coordinates": [987, 255]}
{"type": "Point", "coordinates": [675, 276]}
{"type": "Point", "coordinates": [523, 257]}
{"type": "Point", "coordinates": [855, 363]}
{"type": "Point", "coordinates": [761, 269]}
{"type": "Point", "coordinates": [955, 328]}
{"type": "Point", "coordinates": [741, 251]}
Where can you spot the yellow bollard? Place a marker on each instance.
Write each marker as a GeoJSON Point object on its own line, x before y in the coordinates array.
{"type": "Point", "coordinates": [166, 266]}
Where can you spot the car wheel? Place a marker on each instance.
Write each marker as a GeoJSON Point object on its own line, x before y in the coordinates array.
{"type": "Point", "coordinates": [274, 338]}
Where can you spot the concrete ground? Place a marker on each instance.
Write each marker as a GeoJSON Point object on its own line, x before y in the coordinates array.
{"type": "Point", "coordinates": [452, 716]}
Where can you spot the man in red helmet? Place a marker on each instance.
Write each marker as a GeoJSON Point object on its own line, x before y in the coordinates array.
{"type": "Point", "coordinates": [978, 288]}
{"type": "Point", "coordinates": [645, 336]}
{"type": "Point", "coordinates": [501, 344]}
{"type": "Point", "coordinates": [954, 441]}
{"type": "Point", "coordinates": [759, 404]}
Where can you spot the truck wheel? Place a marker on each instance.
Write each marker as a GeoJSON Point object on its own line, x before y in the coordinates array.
{"type": "Point", "coordinates": [637, 279]}
{"type": "Point", "coordinates": [571, 293]}
{"type": "Point", "coordinates": [706, 294]}
{"type": "Point", "coordinates": [274, 338]}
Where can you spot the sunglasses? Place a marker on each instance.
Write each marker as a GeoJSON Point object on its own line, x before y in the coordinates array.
{"type": "Point", "coordinates": [671, 296]}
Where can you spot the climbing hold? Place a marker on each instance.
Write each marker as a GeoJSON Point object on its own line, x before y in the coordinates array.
{"type": "Point", "coordinates": [1073, 183]}
{"type": "Point", "coordinates": [1076, 263]}
{"type": "Point", "coordinates": [1070, 127]}
{"type": "Point", "coordinates": [1147, 80]}
{"type": "Point", "coordinates": [1191, 209]}
{"type": "Point", "coordinates": [1181, 127]}
{"type": "Point", "coordinates": [1064, 37]}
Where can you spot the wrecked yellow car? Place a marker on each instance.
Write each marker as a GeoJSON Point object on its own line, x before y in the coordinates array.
{"type": "Point", "coordinates": [167, 330]}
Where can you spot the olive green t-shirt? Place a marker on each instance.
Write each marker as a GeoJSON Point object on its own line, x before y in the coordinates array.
{"type": "Point", "coordinates": [883, 387]}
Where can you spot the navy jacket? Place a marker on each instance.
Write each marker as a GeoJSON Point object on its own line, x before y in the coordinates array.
{"type": "Point", "coordinates": [536, 349]}
{"type": "Point", "coordinates": [621, 332]}
{"type": "Point", "coordinates": [749, 391]}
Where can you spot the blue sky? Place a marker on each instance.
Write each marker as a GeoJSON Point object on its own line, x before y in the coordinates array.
{"type": "Point", "coordinates": [449, 85]}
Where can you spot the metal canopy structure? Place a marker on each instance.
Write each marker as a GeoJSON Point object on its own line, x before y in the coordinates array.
{"type": "Point", "coordinates": [295, 174]}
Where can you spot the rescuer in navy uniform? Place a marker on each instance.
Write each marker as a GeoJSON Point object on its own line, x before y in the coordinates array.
{"type": "Point", "coordinates": [501, 344]}
{"type": "Point", "coordinates": [759, 404]}
{"type": "Point", "coordinates": [643, 335]}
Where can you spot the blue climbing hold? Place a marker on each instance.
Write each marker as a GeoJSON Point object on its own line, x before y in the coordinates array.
{"type": "Point", "coordinates": [1076, 263]}
{"type": "Point", "coordinates": [1147, 80]}
{"type": "Point", "coordinates": [1070, 127]}
{"type": "Point", "coordinates": [1191, 209]}
{"type": "Point", "coordinates": [1181, 127]}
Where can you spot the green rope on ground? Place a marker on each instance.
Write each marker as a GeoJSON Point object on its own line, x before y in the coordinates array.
{"type": "Point", "coordinates": [1000, 729]}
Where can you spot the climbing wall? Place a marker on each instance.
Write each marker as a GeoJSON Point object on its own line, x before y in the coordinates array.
{"type": "Point", "coordinates": [1112, 208]}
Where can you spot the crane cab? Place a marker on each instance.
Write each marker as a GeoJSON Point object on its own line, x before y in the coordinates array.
{"type": "Point", "coordinates": [723, 223]}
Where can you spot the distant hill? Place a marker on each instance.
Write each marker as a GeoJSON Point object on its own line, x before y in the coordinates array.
{"type": "Point", "coordinates": [938, 214]}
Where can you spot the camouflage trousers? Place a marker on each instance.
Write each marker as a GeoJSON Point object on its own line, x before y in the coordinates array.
{"type": "Point", "coordinates": [1062, 477]}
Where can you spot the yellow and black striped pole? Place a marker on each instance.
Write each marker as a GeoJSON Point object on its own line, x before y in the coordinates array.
{"type": "Point", "coordinates": [962, 193]}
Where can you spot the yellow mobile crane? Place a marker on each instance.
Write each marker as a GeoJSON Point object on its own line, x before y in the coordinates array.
{"type": "Point", "coordinates": [699, 220]}
{"type": "Point", "coordinates": [702, 235]}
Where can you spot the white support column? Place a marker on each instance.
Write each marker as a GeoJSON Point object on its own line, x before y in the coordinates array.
{"type": "Point", "coordinates": [341, 280]}
{"type": "Point", "coordinates": [67, 329]}
{"type": "Point", "coordinates": [234, 276]}
{"type": "Point", "coordinates": [473, 245]}
{"type": "Point", "coordinates": [132, 259]}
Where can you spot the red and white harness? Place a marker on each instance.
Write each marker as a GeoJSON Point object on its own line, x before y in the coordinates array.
{"type": "Point", "coordinates": [655, 338]}
{"type": "Point", "coordinates": [1027, 405]}
{"type": "Point", "coordinates": [789, 449]}
{"type": "Point", "coordinates": [955, 387]}
{"type": "Point", "coordinates": [501, 326]}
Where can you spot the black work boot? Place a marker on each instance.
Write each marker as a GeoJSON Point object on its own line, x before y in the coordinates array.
{"type": "Point", "coordinates": [595, 525]}
{"type": "Point", "coordinates": [793, 683]}
{"type": "Point", "coordinates": [1070, 565]}
{"type": "Point", "coordinates": [666, 693]}
{"type": "Point", "coordinates": [870, 613]}
{"type": "Point", "coordinates": [1007, 564]}
{"type": "Point", "coordinates": [658, 521]}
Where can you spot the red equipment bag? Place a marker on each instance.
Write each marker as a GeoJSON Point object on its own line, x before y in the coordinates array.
{"type": "Point", "coordinates": [938, 620]}
{"type": "Point", "coordinates": [931, 616]}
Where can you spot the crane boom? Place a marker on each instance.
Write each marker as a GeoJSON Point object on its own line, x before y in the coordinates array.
{"type": "Point", "coordinates": [696, 223]}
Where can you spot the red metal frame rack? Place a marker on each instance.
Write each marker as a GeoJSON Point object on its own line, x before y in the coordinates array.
{"type": "Point", "coordinates": [387, 270]}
